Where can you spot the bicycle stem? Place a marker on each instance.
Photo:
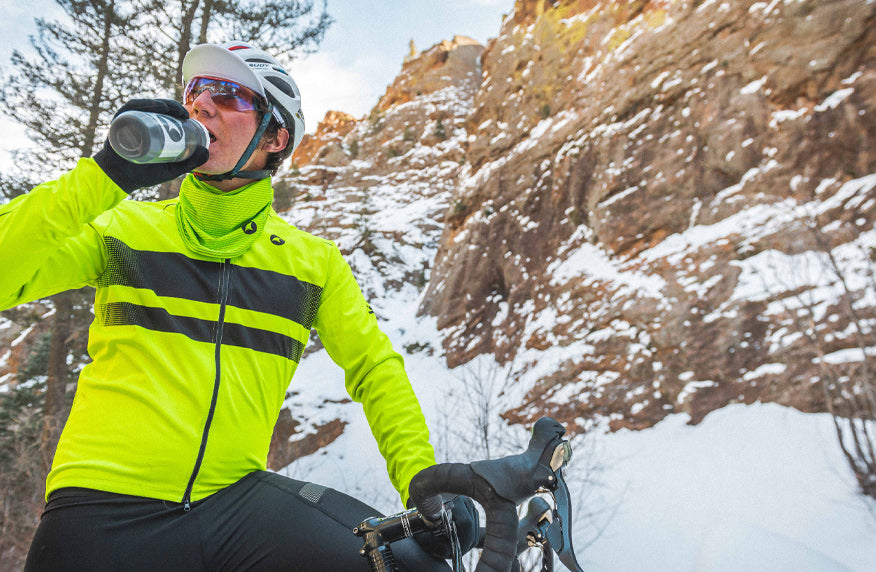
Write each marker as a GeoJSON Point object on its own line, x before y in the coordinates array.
{"type": "Point", "coordinates": [380, 532]}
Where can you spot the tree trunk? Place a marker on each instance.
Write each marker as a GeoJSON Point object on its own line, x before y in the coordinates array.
{"type": "Point", "coordinates": [205, 21]}
{"type": "Point", "coordinates": [185, 42]}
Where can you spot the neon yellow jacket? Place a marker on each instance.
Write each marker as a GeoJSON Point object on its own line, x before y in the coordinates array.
{"type": "Point", "coordinates": [192, 356]}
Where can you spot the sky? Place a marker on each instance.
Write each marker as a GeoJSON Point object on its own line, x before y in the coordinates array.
{"type": "Point", "coordinates": [363, 51]}
{"type": "Point", "coordinates": [361, 54]}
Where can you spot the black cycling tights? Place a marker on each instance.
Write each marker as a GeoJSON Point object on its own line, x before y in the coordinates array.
{"type": "Point", "coordinates": [263, 522]}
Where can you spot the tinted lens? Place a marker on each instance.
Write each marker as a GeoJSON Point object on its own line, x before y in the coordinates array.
{"type": "Point", "coordinates": [224, 93]}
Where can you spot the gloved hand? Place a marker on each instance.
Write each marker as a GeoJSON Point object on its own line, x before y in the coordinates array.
{"type": "Point", "coordinates": [465, 515]}
{"type": "Point", "coordinates": [130, 176]}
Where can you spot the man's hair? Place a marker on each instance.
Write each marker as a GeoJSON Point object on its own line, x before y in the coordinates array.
{"type": "Point", "coordinates": [276, 158]}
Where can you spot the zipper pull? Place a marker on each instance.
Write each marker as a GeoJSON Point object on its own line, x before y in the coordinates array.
{"type": "Point", "coordinates": [186, 505]}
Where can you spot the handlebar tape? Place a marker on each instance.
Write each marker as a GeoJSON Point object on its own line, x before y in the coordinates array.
{"type": "Point", "coordinates": [500, 547]}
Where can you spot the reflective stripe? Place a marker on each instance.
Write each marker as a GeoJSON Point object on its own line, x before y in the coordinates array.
{"type": "Point", "coordinates": [172, 274]}
{"type": "Point", "coordinates": [159, 319]}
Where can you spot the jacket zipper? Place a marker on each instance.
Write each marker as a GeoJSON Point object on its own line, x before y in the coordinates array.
{"type": "Point", "coordinates": [220, 325]}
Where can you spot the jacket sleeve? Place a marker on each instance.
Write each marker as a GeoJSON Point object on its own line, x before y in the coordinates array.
{"type": "Point", "coordinates": [48, 243]}
{"type": "Point", "coordinates": [374, 375]}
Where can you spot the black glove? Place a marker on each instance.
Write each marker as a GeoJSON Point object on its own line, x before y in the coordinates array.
{"type": "Point", "coordinates": [130, 176]}
{"type": "Point", "coordinates": [465, 515]}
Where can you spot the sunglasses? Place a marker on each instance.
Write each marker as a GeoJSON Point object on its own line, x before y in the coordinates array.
{"type": "Point", "coordinates": [225, 94]}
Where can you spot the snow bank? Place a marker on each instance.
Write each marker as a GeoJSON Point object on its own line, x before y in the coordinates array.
{"type": "Point", "coordinates": [759, 487]}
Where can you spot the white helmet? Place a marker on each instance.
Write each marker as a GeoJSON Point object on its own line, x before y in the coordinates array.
{"type": "Point", "coordinates": [256, 69]}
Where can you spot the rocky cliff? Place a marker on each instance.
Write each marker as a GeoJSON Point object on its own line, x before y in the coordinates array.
{"type": "Point", "coordinates": [636, 208]}
{"type": "Point", "coordinates": [671, 199]}
{"type": "Point", "coordinates": [639, 208]}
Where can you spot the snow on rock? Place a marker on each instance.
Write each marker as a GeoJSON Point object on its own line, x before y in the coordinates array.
{"type": "Point", "coordinates": [622, 236]}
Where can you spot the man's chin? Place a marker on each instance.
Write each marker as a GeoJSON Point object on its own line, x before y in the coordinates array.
{"type": "Point", "coordinates": [207, 170]}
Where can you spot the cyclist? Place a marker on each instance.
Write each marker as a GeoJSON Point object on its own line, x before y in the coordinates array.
{"type": "Point", "coordinates": [203, 306]}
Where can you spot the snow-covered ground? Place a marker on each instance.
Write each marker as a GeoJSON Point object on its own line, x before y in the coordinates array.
{"type": "Point", "coordinates": [758, 487]}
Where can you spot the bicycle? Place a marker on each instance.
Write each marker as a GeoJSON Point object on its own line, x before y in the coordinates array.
{"type": "Point", "coordinates": [499, 486]}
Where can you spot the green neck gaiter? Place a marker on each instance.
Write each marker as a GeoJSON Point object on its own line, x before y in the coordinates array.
{"type": "Point", "coordinates": [222, 225]}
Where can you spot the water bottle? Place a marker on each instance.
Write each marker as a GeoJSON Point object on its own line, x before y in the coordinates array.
{"type": "Point", "coordinates": [142, 137]}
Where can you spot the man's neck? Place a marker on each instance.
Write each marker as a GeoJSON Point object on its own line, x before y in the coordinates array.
{"type": "Point", "coordinates": [229, 185]}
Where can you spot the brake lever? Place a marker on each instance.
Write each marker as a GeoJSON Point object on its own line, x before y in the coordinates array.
{"type": "Point", "coordinates": [558, 530]}
{"type": "Point", "coordinates": [532, 531]}
{"type": "Point", "coordinates": [559, 533]}
{"type": "Point", "coordinates": [532, 527]}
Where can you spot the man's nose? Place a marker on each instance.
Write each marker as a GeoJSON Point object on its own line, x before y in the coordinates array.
{"type": "Point", "coordinates": [204, 103]}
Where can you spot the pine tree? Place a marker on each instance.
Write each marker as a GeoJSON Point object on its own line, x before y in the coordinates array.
{"type": "Point", "coordinates": [68, 89]}
{"type": "Point", "coordinates": [284, 28]}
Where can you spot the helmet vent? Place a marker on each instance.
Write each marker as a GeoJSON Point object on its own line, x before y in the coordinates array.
{"type": "Point", "coordinates": [281, 85]}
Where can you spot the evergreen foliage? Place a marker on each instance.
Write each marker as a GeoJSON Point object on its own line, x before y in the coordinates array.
{"type": "Point", "coordinates": [66, 91]}
{"type": "Point", "coordinates": [167, 31]}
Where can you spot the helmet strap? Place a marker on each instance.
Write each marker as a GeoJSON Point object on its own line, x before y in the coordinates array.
{"type": "Point", "coordinates": [236, 172]}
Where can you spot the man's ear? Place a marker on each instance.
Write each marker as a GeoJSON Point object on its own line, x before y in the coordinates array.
{"type": "Point", "coordinates": [278, 142]}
